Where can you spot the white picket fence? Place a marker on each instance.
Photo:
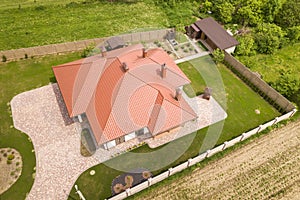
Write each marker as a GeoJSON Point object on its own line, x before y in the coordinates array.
{"type": "Point", "coordinates": [199, 158]}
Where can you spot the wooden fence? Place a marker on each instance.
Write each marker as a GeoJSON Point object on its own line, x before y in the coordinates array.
{"type": "Point", "coordinates": [199, 158]}
{"type": "Point", "coordinates": [266, 91]}
{"type": "Point", "coordinates": [68, 47]}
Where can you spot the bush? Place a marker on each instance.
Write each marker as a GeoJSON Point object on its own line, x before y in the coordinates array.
{"type": "Point", "coordinates": [10, 156]}
{"type": "Point", "coordinates": [218, 56]}
{"type": "Point", "coordinates": [8, 162]}
{"type": "Point", "coordinates": [26, 56]}
{"type": "Point", "coordinates": [4, 59]}
{"type": "Point", "coordinates": [5, 154]}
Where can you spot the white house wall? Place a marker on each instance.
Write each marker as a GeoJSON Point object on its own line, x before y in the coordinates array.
{"type": "Point", "coordinates": [230, 50]}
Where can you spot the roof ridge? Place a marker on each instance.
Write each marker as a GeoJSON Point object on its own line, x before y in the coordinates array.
{"type": "Point", "coordinates": [94, 67]}
{"type": "Point", "coordinates": [193, 114]}
{"type": "Point", "coordinates": [122, 78]}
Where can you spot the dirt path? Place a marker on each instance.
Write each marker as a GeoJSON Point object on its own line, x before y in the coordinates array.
{"type": "Point", "coordinates": [267, 168]}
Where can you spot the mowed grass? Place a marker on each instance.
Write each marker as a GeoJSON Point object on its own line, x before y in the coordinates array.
{"type": "Point", "coordinates": [237, 98]}
{"type": "Point", "coordinates": [15, 78]}
{"type": "Point", "coordinates": [49, 22]}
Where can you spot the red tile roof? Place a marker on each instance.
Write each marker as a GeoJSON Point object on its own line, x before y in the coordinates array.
{"type": "Point", "coordinates": [117, 102]}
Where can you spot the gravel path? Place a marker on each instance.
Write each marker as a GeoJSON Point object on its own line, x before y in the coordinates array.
{"type": "Point", "coordinates": [266, 168]}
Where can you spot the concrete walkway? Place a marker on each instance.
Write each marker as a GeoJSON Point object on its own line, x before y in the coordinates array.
{"type": "Point", "coordinates": [198, 55]}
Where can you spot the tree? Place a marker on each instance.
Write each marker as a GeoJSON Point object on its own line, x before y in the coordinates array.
{"type": "Point", "coordinates": [268, 38]}
{"type": "Point", "coordinates": [206, 6]}
{"type": "Point", "coordinates": [287, 84]}
{"type": "Point", "coordinates": [218, 55]}
{"type": "Point", "coordinates": [248, 12]}
{"type": "Point", "coordinates": [246, 46]}
{"type": "Point", "coordinates": [225, 12]}
{"type": "Point", "coordinates": [293, 34]}
{"type": "Point", "coordinates": [289, 15]}
{"type": "Point", "coordinates": [271, 9]}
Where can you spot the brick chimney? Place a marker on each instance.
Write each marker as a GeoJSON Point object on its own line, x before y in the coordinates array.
{"type": "Point", "coordinates": [103, 51]}
{"type": "Point", "coordinates": [163, 70]}
{"type": "Point", "coordinates": [125, 67]}
{"type": "Point", "coordinates": [178, 95]}
{"type": "Point", "coordinates": [144, 53]}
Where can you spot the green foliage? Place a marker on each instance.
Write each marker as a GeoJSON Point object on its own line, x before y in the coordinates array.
{"type": "Point", "coordinates": [270, 9]}
{"type": "Point", "coordinates": [90, 51]}
{"type": "Point", "coordinates": [293, 34]}
{"type": "Point", "coordinates": [246, 46]}
{"type": "Point", "coordinates": [225, 12]}
{"type": "Point", "coordinates": [289, 15]}
{"type": "Point", "coordinates": [4, 59]}
{"type": "Point", "coordinates": [206, 6]}
{"type": "Point", "coordinates": [10, 156]}
{"type": "Point", "coordinates": [287, 84]}
{"type": "Point", "coordinates": [249, 12]}
{"type": "Point", "coordinates": [268, 38]}
{"type": "Point", "coordinates": [218, 55]}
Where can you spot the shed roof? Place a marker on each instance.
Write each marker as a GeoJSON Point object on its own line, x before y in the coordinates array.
{"type": "Point", "coordinates": [117, 102]}
{"type": "Point", "coordinates": [115, 42]}
{"type": "Point", "coordinates": [217, 34]}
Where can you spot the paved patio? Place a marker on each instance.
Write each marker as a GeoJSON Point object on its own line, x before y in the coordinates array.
{"type": "Point", "coordinates": [57, 145]}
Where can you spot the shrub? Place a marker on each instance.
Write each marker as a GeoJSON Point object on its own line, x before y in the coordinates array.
{"type": "Point", "coordinates": [4, 59]}
{"type": "Point", "coordinates": [176, 48]}
{"type": "Point", "coordinates": [26, 56]}
{"type": "Point", "coordinates": [8, 162]}
{"type": "Point", "coordinates": [218, 55]}
{"type": "Point", "coordinates": [185, 50]}
{"type": "Point", "coordinates": [5, 154]}
{"type": "Point", "coordinates": [17, 163]}
{"type": "Point", "coordinates": [11, 157]}
{"type": "Point", "coordinates": [12, 173]}
{"type": "Point", "coordinates": [146, 174]}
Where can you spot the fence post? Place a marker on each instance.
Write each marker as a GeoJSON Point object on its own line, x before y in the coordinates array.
{"type": "Point", "coordinates": [149, 181]}
{"type": "Point", "coordinates": [275, 120]}
{"type": "Point", "coordinates": [128, 192]}
{"type": "Point", "coordinates": [207, 152]}
{"type": "Point", "coordinates": [170, 171]}
{"type": "Point", "coordinates": [259, 128]}
{"type": "Point", "coordinates": [294, 111]}
{"type": "Point", "coordinates": [189, 162]}
{"type": "Point", "coordinates": [224, 145]}
{"type": "Point", "coordinates": [243, 135]}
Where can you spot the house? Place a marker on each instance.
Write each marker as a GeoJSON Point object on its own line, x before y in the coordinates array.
{"type": "Point", "coordinates": [212, 35]}
{"type": "Point", "coordinates": [125, 93]}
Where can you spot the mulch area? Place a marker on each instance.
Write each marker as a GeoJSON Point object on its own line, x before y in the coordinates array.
{"type": "Point", "coordinates": [128, 180]}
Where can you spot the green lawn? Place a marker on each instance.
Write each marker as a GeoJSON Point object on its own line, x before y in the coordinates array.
{"type": "Point", "coordinates": [15, 78]}
{"type": "Point", "coordinates": [57, 21]}
{"type": "Point", "coordinates": [232, 94]}
{"type": "Point", "coordinates": [270, 65]}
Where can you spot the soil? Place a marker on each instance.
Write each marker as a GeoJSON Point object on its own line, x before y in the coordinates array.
{"type": "Point", "coordinates": [9, 173]}
{"type": "Point", "coordinates": [265, 168]}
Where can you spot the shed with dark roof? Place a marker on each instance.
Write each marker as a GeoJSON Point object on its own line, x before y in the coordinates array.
{"type": "Point", "coordinates": [115, 43]}
{"type": "Point", "coordinates": [211, 33]}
